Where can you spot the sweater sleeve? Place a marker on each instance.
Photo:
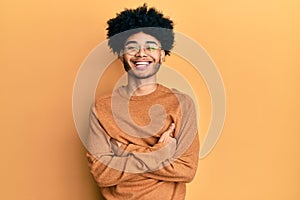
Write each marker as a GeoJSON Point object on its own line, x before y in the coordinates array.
{"type": "Point", "coordinates": [182, 169]}
{"type": "Point", "coordinates": [109, 169]}
{"type": "Point", "coordinates": [183, 165]}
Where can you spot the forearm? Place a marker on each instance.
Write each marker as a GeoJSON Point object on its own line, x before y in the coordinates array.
{"type": "Point", "coordinates": [151, 156]}
{"type": "Point", "coordinates": [183, 166]}
{"type": "Point", "coordinates": [106, 173]}
{"type": "Point", "coordinates": [106, 168]}
{"type": "Point", "coordinates": [109, 168]}
{"type": "Point", "coordinates": [182, 169]}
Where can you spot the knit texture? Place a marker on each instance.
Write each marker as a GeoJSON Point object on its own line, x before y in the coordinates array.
{"type": "Point", "coordinates": [141, 168]}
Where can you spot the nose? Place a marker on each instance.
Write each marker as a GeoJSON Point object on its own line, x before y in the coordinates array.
{"type": "Point", "coordinates": [141, 52]}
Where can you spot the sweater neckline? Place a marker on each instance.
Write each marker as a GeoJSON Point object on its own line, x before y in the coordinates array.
{"type": "Point", "coordinates": [151, 95]}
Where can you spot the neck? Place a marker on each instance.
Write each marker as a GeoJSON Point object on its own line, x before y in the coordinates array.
{"type": "Point", "coordinates": [139, 87]}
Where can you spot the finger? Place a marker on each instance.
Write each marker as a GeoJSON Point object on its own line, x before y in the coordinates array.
{"type": "Point", "coordinates": [118, 143]}
{"type": "Point", "coordinates": [172, 126]}
{"type": "Point", "coordinates": [91, 158]}
{"type": "Point", "coordinates": [161, 139]}
{"type": "Point", "coordinates": [167, 139]}
{"type": "Point", "coordinates": [171, 130]}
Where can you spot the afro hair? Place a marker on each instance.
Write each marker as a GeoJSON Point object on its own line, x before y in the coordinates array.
{"type": "Point", "coordinates": [141, 19]}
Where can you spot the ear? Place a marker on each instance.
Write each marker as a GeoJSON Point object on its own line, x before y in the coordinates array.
{"type": "Point", "coordinates": [162, 56]}
{"type": "Point", "coordinates": [121, 57]}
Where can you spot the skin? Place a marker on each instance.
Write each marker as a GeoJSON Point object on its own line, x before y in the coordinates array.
{"type": "Point", "coordinates": [143, 80]}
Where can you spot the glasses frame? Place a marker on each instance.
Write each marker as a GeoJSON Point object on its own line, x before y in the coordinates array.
{"type": "Point", "coordinates": [139, 47]}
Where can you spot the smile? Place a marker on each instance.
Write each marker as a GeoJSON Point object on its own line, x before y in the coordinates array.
{"type": "Point", "coordinates": [141, 64]}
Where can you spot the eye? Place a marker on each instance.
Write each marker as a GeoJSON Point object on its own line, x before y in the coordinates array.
{"type": "Point", "coordinates": [130, 48]}
{"type": "Point", "coordinates": [151, 47]}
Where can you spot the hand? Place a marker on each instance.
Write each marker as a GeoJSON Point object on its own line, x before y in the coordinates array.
{"type": "Point", "coordinates": [116, 142]}
{"type": "Point", "coordinates": [91, 159]}
{"type": "Point", "coordinates": [167, 136]}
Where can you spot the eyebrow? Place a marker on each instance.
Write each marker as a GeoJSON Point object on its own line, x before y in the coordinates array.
{"type": "Point", "coordinates": [135, 42]}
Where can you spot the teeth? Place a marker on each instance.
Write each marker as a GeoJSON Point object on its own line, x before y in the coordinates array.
{"type": "Point", "coordinates": [142, 63]}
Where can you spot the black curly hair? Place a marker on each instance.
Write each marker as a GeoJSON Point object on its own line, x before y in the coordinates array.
{"type": "Point", "coordinates": [141, 19]}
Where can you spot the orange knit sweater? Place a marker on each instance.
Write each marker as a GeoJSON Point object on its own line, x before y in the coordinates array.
{"type": "Point", "coordinates": [141, 168]}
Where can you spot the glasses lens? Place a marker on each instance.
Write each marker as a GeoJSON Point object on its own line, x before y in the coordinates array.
{"type": "Point", "coordinates": [134, 49]}
{"type": "Point", "coordinates": [151, 48]}
{"type": "Point", "coordinates": [131, 49]}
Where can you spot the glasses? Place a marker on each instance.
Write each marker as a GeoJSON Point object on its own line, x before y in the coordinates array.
{"type": "Point", "coordinates": [133, 49]}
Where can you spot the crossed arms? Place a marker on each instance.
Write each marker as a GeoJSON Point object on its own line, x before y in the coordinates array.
{"type": "Point", "coordinates": [172, 158]}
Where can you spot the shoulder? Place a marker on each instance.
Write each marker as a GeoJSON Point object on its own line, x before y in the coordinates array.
{"type": "Point", "coordinates": [102, 104]}
{"type": "Point", "coordinates": [103, 100]}
{"type": "Point", "coordinates": [182, 97]}
{"type": "Point", "coordinates": [98, 104]}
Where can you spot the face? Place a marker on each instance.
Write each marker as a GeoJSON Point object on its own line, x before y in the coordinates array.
{"type": "Point", "coordinates": [142, 55]}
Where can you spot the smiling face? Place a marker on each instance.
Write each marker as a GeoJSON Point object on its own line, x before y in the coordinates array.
{"type": "Point", "coordinates": [142, 55]}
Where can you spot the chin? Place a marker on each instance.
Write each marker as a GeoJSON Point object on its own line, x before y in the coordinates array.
{"type": "Point", "coordinates": [139, 74]}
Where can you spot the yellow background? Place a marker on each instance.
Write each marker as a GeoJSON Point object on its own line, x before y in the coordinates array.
{"type": "Point", "coordinates": [255, 45]}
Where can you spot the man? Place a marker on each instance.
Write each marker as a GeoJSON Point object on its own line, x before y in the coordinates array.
{"type": "Point", "coordinates": [143, 141]}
